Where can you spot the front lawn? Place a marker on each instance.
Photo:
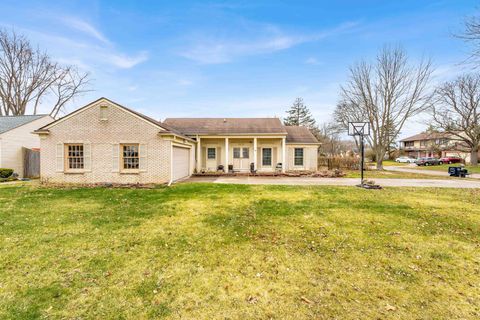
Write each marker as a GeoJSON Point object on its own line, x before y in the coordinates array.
{"type": "Point", "coordinates": [444, 167]}
{"type": "Point", "coordinates": [210, 251]}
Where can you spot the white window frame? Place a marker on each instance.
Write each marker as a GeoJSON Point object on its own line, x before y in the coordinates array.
{"type": "Point", "coordinates": [295, 157]}
{"type": "Point", "coordinates": [271, 157]}
{"type": "Point", "coordinates": [214, 153]}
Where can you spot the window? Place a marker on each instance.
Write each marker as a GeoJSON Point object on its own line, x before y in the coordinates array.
{"type": "Point", "coordinates": [75, 156]}
{"type": "Point", "coordinates": [245, 153]}
{"type": "Point", "coordinates": [130, 156]}
{"type": "Point", "coordinates": [423, 143]}
{"type": "Point", "coordinates": [298, 161]}
{"type": "Point", "coordinates": [211, 153]}
{"type": "Point", "coordinates": [266, 156]}
{"type": "Point", "coordinates": [241, 153]}
{"type": "Point", "coordinates": [409, 144]}
{"type": "Point", "coordinates": [236, 153]}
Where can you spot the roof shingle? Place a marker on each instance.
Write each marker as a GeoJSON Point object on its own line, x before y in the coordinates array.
{"type": "Point", "coordinates": [427, 136]}
{"type": "Point", "coordinates": [219, 126]}
{"type": "Point", "coordinates": [298, 134]}
{"type": "Point", "coordinates": [8, 123]}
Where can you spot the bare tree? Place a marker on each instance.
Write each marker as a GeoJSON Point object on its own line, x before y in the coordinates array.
{"type": "Point", "coordinates": [386, 94]}
{"type": "Point", "coordinates": [456, 110]}
{"type": "Point", "coordinates": [471, 34]}
{"type": "Point", "coordinates": [29, 77]}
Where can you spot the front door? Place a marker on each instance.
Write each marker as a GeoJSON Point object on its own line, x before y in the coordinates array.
{"type": "Point", "coordinates": [241, 158]}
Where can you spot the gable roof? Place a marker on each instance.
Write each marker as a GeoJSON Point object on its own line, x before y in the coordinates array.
{"type": "Point", "coordinates": [219, 126]}
{"type": "Point", "coordinates": [8, 123]}
{"type": "Point", "coordinates": [298, 134]}
{"type": "Point", "coordinates": [166, 129]}
{"type": "Point", "coordinates": [427, 136]}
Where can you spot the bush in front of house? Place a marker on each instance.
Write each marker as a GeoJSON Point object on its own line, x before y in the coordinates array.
{"type": "Point", "coordinates": [5, 173]}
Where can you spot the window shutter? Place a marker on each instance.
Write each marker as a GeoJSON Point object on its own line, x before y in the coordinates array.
{"type": "Point", "coordinates": [87, 156]}
{"type": "Point", "coordinates": [142, 150]}
{"type": "Point", "coordinates": [59, 156]}
{"type": "Point", "coordinates": [115, 157]}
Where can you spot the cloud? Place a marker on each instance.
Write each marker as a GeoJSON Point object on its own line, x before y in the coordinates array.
{"type": "Point", "coordinates": [127, 62]}
{"type": "Point", "coordinates": [312, 61]}
{"type": "Point", "coordinates": [85, 27]}
{"type": "Point", "coordinates": [254, 40]}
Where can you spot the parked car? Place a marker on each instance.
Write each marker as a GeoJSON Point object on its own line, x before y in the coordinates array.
{"type": "Point", "coordinates": [405, 159]}
{"type": "Point", "coordinates": [428, 161]}
{"type": "Point", "coordinates": [451, 160]}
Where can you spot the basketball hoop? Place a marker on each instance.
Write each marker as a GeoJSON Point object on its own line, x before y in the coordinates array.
{"type": "Point", "coordinates": [360, 129]}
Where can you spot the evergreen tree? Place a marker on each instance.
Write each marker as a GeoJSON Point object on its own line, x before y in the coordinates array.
{"type": "Point", "coordinates": [300, 115]}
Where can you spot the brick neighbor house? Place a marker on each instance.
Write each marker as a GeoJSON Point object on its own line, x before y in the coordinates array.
{"type": "Point", "coordinates": [434, 144]}
{"type": "Point", "coordinates": [104, 142]}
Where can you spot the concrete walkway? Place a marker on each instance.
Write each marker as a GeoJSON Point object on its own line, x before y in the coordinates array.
{"type": "Point", "coordinates": [307, 181]}
{"type": "Point", "coordinates": [411, 169]}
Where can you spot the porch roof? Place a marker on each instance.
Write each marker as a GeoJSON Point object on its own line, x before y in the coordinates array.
{"type": "Point", "coordinates": [226, 126]}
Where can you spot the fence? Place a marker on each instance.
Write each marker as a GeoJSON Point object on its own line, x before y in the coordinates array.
{"type": "Point", "coordinates": [331, 163]}
{"type": "Point", "coordinates": [31, 163]}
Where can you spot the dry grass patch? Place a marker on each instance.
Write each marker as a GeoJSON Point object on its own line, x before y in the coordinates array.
{"type": "Point", "coordinates": [209, 251]}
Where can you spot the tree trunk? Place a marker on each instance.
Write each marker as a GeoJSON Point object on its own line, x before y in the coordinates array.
{"type": "Point", "coordinates": [474, 157]}
{"type": "Point", "coordinates": [379, 155]}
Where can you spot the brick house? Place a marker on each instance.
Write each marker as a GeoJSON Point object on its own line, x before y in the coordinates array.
{"type": "Point", "coordinates": [434, 144]}
{"type": "Point", "coordinates": [104, 142]}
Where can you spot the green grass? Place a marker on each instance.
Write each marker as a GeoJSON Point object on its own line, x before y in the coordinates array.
{"type": "Point", "coordinates": [374, 174]}
{"type": "Point", "coordinates": [444, 167]}
{"type": "Point", "coordinates": [209, 251]}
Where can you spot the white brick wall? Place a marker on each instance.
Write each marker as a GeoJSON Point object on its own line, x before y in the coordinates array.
{"type": "Point", "coordinates": [120, 127]}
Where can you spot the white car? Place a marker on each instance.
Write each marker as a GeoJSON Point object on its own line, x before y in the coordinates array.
{"type": "Point", "coordinates": [405, 159]}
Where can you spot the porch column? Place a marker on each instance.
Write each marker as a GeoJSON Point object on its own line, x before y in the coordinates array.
{"type": "Point", "coordinates": [255, 153]}
{"type": "Point", "coordinates": [226, 155]}
{"type": "Point", "coordinates": [284, 152]}
{"type": "Point", "coordinates": [199, 155]}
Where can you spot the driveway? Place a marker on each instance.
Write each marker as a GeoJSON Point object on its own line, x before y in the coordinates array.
{"type": "Point", "coordinates": [308, 181]}
{"type": "Point", "coordinates": [412, 169]}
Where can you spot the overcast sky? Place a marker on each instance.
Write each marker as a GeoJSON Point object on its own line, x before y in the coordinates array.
{"type": "Point", "coordinates": [235, 58]}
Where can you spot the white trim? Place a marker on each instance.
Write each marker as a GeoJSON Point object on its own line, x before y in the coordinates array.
{"type": "Point", "coordinates": [243, 136]}
{"type": "Point", "coordinates": [284, 155]}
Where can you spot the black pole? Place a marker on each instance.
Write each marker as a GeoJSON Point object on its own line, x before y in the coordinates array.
{"type": "Point", "coordinates": [363, 157]}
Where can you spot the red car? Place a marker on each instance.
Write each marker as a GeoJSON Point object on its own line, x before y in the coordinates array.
{"type": "Point", "coordinates": [451, 160]}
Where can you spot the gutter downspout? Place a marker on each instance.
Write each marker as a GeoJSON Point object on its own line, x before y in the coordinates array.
{"type": "Point", "coordinates": [171, 164]}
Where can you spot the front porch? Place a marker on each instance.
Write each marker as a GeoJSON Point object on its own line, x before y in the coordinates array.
{"type": "Point", "coordinates": [238, 154]}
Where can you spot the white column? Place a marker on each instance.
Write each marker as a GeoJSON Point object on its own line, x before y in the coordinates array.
{"type": "Point", "coordinates": [226, 155]}
{"type": "Point", "coordinates": [255, 153]}
{"type": "Point", "coordinates": [199, 155]}
{"type": "Point", "coordinates": [284, 152]}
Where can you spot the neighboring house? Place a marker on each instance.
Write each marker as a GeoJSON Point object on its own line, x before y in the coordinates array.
{"type": "Point", "coordinates": [16, 132]}
{"type": "Point", "coordinates": [434, 144]}
{"type": "Point", "coordinates": [104, 142]}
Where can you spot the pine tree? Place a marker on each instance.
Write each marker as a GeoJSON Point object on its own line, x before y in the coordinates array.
{"type": "Point", "coordinates": [300, 115]}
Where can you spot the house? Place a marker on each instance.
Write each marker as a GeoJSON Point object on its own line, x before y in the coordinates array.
{"type": "Point", "coordinates": [16, 132]}
{"type": "Point", "coordinates": [426, 144]}
{"type": "Point", "coordinates": [105, 142]}
{"type": "Point", "coordinates": [434, 144]}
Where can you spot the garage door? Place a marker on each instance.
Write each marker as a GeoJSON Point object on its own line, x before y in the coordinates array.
{"type": "Point", "coordinates": [181, 163]}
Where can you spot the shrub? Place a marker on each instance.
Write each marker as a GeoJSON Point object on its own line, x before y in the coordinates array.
{"type": "Point", "coordinates": [5, 173]}
{"type": "Point", "coordinates": [350, 163]}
